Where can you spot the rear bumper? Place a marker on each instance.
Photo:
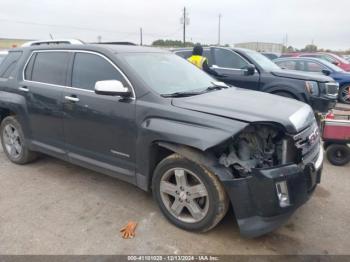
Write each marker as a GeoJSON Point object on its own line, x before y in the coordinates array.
{"type": "Point", "coordinates": [255, 200]}
{"type": "Point", "coordinates": [323, 104]}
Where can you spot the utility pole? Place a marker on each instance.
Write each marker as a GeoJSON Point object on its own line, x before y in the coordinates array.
{"type": "Point", "coordinates": [184, 26]}
{"type": "Point", "coordinates": [185, 21]}
{"type": "Point", "coordinates": [140, 35]}
{"type": "Point", "coordinates": [219, 32]}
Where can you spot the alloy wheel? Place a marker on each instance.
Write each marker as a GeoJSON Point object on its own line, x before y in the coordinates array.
{"type": "Point", "coordinates": [345, 94]}
{"type": "Point", "coordinates": [12, 141]}
{"type": "Point", "coordinates": [184, 195]}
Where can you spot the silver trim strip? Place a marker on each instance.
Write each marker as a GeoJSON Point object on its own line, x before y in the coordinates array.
{"type": "Point", "coordinates": [319, 160]}
{"type": "Point", "coordinates": [76, 51]}
{"type": "Point", "coordinates": [119, 153]}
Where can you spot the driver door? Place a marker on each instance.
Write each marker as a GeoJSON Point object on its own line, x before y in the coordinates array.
{"type": "Point", "coordinates": [99, 130]}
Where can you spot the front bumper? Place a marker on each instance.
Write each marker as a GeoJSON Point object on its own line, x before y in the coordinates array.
{"type": "Point", "coordinates": [255, 201]}
{"type": "Point", "coordinates": [323, 104]}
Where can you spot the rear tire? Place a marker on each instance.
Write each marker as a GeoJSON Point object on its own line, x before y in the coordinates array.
{"type": "Point", "coordinates": [13, 142]}
{"type": "Point", "coordinates": [338, 154]}
{"type": "Point", "coordinates": [344, 94]}
{"type": "Point", "coordinates": [189, 195]}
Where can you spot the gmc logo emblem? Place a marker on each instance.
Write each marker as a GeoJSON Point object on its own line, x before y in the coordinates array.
{"type": "Point", "coordinates": [313, 137]}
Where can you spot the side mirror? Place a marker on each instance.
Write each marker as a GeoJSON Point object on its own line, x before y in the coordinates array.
{"type": "Point", "coordinates": [326, 72]}
{"type": "Point", "coordinates": [111, 88]}
{"type": "Point", "coordinates": [249, 70]}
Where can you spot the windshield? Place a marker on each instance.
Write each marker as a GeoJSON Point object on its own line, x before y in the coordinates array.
{"type": "Point", "coordinates": [332, 66]}
{"type": "Point", "coordinates": [263, 61]}
{"type": "Point", "coordinates": [167, 73]}
{"type": "Point", "coordinates": [344, 61]}
{"type": "Point", "coordinates": [2, 57]}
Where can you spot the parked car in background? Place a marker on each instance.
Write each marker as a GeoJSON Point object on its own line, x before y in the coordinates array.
{"type": "Point", "coordinates": [251, 70]}
{"type": "Point", "coordinates": [347, 57]}
{"type": "Point", "coordinates": [2, 55]}
{"type": "Point", "coordinates": [148, 117]}
{"type": "Point", "coordinates": [332, 58]}
{"type": "Point", "coordinates": [319, 66]}
{"type": "Point", "coordinates": [271, 56]}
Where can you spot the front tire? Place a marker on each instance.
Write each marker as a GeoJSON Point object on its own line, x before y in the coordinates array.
{"type": "Point", "coordinates": [189, 195]}
{"type": "Point", "coordinates": [13, 142]}
{"type": "Point", "coordinates": [344, 94]}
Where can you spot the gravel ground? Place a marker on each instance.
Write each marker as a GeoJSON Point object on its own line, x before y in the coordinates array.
{"type": "Point", "coordinates": [52, 207]}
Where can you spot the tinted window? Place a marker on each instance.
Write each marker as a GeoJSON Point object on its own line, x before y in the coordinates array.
{"type": "Point", "coordinates": [286, 64]}
{"type": "Point", "coordinates": [9, 63]}
{"type": "Point", "coordinates": [229, 59]}
{"type": "Point", "coordinates": [313, 67]}
{"type": "Point", "coordinates": [90, 68]}
{"type": "Point", "coordinates": [50, 67]}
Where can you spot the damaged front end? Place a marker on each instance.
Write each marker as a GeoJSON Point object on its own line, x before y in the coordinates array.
{"type": "Point", "coordinates": [274, 173]}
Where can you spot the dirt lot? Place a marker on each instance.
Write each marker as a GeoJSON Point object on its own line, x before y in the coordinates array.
{"type": "Point", "coordinates": [51, 207]}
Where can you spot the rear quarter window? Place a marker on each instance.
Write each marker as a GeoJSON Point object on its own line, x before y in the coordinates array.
{"type": "Point", "coordinates": [9, 64]}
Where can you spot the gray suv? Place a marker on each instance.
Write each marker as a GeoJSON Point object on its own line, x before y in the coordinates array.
{"type": "Point", "coordinates": [150, 118]}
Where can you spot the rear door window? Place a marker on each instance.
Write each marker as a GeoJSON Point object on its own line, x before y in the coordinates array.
{"type": "Point", "coordinates": [290, 65]}
{"type": "Point", "coordinates": [49, 67]}
{"type": "Point", "coordinates": [9, 64]}
{"type": "Point", "coordinates": [313, 67]}
{"type": "Point", "coordinates": [90, 68]}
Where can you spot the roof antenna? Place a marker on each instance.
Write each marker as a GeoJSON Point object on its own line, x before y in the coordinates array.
{"type": "Point", "coordinates": [51, 36]}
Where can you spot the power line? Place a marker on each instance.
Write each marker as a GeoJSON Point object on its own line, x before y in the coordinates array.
{"type": "Point", "coordinates": [82, 28]}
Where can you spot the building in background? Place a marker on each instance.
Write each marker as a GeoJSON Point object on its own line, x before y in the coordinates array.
{"type": "Point", "coordinates": [7, 43]}
{"type": "Point", "coordinates": [262, 47]}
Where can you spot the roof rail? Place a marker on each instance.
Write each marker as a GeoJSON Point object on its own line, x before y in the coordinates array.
{"type": "Point", "coordinates": [115, 43]}
{"type": "Point", "coordinates": [53, 42]}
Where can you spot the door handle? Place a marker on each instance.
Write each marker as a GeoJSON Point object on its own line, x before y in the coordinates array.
{"type": "Point", "coordinates": [23, 88]}
{"type": "Point", "coordinates": [72, 98]}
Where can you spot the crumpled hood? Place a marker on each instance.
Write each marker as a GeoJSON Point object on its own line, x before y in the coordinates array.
{"type": "Point", "coordinates": [302, 75]}
{"type": "Point", "coordinates": [251, 106]}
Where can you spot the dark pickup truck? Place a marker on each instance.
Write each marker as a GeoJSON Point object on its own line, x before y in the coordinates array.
{"type": "Point", "coordinates": [249, 69]}
{"type": "Point", "coordinates": [150, 118]}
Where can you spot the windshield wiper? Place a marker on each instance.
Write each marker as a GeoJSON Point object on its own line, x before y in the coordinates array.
{"type": "Point", "coordinates": [217, 86]}
{"type": "Point", "coordinates": [181, 94]}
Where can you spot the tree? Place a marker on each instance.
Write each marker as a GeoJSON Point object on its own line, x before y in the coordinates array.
{"type": "Point", "coordinates": [170, 43]}
{"type": "Point", "coordinates": [310, 48]}
{"type": "Point", "coordinates": [290, 48]}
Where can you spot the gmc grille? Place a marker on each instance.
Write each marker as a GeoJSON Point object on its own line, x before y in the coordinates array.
{"type": "Point", "coordinates": [308, 143]}
{"type": "Point", "coordinates": [332, 88]}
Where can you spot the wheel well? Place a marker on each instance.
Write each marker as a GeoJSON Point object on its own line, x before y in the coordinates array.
{"type": "Point", "coordinates": [157, 154]}
{"type": "Point", "coordinates": [4, 113]}
{"type": "Point", "coordinates": [286, 92]}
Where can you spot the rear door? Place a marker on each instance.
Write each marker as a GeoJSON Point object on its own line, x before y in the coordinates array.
{"type": "Point", "coordinates": [45, 78]}
{"type": "Point", "coordinates": [232, 66]}
{"type": "Point", "coordinates": [99, 130]}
